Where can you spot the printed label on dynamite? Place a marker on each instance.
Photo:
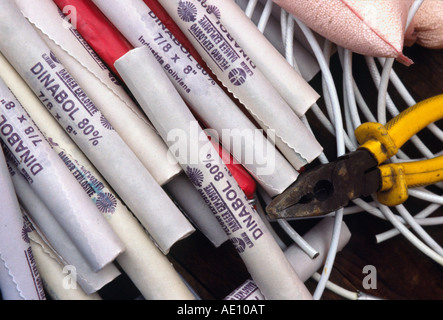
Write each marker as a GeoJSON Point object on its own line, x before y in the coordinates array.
{"type": "Point", "coordinates": [66, 100]}
{"type": "Point", "coordinates": [227, 202]}
{"type": "Point", "coordinates": [20, 138]}
{"type": "Point", "coordinates": [176, 60]}
{"type": "Point", "coordinates": [247, 291]}
{"type": "Point", "coordinates": [105, 201]}
{"type": "Point", "coordinates": [28, 227]}
{"type": "Point", "coordinates": [220, 46]}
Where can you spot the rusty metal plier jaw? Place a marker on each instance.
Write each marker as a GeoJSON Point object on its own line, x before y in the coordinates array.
{"type": "Point", "coordinates": [328, 187]}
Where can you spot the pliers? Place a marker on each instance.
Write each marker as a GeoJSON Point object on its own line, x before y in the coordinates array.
{"type": "Point", "coordinates": [365, 171]}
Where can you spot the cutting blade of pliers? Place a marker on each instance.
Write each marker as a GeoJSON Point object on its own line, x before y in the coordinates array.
{"type": "Point", "coordinates": [328, 187]}
{"type": "Point", "coordinates": [360, 173]}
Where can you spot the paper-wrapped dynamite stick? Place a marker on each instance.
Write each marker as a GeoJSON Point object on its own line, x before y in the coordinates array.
{"type": "Point", "coordinates": [241, 76]}
{"type": "Point", "coordinates": [100, 42]}
{"type": "Point", "coordinates": [90, 130]}
{"type": "Point", "coordinates": [142, 261]}
{"type": "Point", "coordinates": [101, 86]}
{"type": "Point", "coordinates": [55, 185]}
{"type": "Point", "coordinates": [114, 103]}
{"type": "Point", "coordinates": [58, 284]}
{"type": "Point", "coordinates": [168, 112]}
{"type": "Point", "coordinates": [291, 86]}
{"type": "Point", "coordinates": [320, 238]}
{"type": "Point", "coordinates": [67, 253]}
{"type": "Point", "coordinates": [142, 27]}
{"type": "Point", "coordinates": [19, 278]}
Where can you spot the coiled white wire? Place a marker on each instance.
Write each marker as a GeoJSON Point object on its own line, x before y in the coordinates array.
{"type": "Point", "coordinates": [354, 105]}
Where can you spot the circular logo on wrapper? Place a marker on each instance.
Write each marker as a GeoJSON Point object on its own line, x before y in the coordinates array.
{"type": "Point", "coordinates": [105, 123]}
{"type": "Point", "coordinates": [25, 231]}
{"type": "Point", "coordinates": [237, 76]}
{"type": "Point", "coordinates": [195, 175]}
{"type": "Point", "coordinates": [211, 9]}
{"type": "Point", "coordinates": [239, 244]}
{"type": "Point", "coordinates": [106, 203]}
{"type": "Point", "coordinates": [187, 11]}
{"type": "Point", "coordinates": [27, 227]}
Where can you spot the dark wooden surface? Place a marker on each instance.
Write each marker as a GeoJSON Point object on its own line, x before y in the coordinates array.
{"type": "Point", "coordinates": [403, 272]}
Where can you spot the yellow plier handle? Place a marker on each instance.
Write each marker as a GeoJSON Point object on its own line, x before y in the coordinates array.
{"type": "Point", "coordinates": [383, 141]}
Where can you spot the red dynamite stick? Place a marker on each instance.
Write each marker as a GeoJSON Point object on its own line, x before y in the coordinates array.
{"type": "Point", "coordinates": [110, 45]}
{"type": "Point", "coordinates": [244, 180]}
{"type": "Point", "coordinates": [98, 31]}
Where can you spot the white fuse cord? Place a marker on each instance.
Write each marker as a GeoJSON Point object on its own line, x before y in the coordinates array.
{"type": "Point", "coordinates": [354, 105]}
{"type": "Point", "coordinates": [340, 150]}
{"type": "Point", "coordinates": [327, 269]}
